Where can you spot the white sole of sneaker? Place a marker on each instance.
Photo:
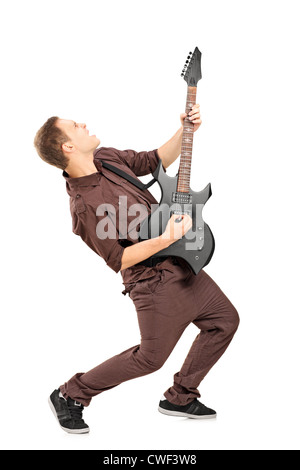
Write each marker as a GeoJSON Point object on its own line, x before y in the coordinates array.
{"type": "Point", "coordinates": [184, 415]}
{"type": "Point", "coordinates": [70, 431]}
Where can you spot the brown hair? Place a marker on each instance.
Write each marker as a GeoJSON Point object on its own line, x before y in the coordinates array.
{"type": "Point", "coordinates": [48, 141]}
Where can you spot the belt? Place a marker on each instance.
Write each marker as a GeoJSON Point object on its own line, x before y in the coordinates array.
{"type": "Point", "coordinates": [150, 262]}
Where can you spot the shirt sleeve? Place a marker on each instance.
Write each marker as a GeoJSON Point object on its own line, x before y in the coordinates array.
{"type": "Point", "coordinates": [141, 163]}
{"type": "Point", "coordinates": [110, 249]}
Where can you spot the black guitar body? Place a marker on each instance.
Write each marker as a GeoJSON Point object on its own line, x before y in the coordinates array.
{"type": "Point", "coordinates": [197, 245]}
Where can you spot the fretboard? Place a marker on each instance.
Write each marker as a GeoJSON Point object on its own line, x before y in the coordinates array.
{"type": "Point", "coordinates": [184, 173]}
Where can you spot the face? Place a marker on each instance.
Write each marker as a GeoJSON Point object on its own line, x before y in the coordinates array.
{"type": "Point", "coordinates": [80, 138]}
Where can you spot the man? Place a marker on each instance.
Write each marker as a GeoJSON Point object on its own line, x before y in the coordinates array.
{"type": "Point", "coordinates": [166, 293]}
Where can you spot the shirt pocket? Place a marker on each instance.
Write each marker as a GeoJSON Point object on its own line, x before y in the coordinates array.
{"type": "Point", "coordinates": [77, 206]}
{"type": "Point", "coordinates": [149, 283]}
{"type": "Point", "coordinates": [128, 215]}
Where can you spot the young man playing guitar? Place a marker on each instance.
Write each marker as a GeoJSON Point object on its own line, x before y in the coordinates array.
{"type": "Point", "coordinates": [167, 294]}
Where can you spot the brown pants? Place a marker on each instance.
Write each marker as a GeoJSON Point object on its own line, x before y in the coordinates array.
{"type": "Point", "coordinates": [167, 301]}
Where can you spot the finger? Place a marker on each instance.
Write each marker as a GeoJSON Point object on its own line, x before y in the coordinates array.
{"type": "Point", "coordinates": [195, 117]}
{"type": "Point", "coordinates": [186, 219]}
{"type": "Point", "coordinates": [194, 111]}
{"type": "Point", "coordinates": [195, 120]}
{"type": "Point", "coordinates": [195, 108]}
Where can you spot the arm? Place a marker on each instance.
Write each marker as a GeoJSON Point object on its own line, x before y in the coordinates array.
{"type": "Point", "coordinates": [171, 149]}
{"type": "Point", "coordinates": [139, 251]}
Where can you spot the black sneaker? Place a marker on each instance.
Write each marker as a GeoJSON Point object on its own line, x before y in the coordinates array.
{"type": "Point", "coordinates": [68, 412]}
{"type": "Point", "coordinates": [195, 409]}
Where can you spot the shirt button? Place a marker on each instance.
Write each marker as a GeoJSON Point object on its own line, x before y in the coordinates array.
{"type": "Point", "coordinates": [77, 196]}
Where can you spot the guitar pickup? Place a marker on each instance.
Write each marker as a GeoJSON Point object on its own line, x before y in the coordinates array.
{"type": "Point", "coordinates": [182, 198]}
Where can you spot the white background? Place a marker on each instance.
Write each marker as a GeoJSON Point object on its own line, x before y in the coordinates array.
{"type": "Point", "coordinates": [116, 66]}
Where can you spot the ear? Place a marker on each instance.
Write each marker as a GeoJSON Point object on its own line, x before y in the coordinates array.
{"type": "Point", "coordinates": [68, 147]}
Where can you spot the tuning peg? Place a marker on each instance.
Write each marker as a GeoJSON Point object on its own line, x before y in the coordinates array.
{"type": "Point", "coordinates": [190, 53]}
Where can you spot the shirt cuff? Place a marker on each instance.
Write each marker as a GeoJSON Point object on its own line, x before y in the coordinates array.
{"type": "Point", "coordinates": [114, 259]}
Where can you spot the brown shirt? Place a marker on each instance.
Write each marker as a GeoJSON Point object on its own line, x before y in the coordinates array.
{"type": "Point", "coordinates": [105, 187]}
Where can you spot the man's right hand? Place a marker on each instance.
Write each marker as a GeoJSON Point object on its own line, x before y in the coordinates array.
{"type": "Point", "coordinates": [139, 251]}
{"type": "Point", "coordinates": [176, 230]}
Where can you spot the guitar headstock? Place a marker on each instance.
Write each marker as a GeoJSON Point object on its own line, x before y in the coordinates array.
{"type": "Point", "coordinates": [192, 68]}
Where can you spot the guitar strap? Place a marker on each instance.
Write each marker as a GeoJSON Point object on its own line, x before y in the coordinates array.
{"type": "Point", "coordinates": [129, 178]}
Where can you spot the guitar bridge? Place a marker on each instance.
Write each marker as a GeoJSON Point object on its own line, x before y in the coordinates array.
{"type": "Point", "coordinates": [181, 212]}
{"type": "Point", "coordinates": [182, 198]}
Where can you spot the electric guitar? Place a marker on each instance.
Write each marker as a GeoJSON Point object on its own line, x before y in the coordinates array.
{"type": "Point", "coordinates": [196, 247]}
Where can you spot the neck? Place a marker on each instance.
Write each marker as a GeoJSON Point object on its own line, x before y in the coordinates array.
{"type": "Point", "coordinates": [184, 173]}
{"type": "Point", "coordinates": [82, 166]}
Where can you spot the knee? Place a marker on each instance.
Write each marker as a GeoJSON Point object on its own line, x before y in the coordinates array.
{"type": "Point", "coordinates": [153, 363]}
{"type": "Point", "coordinates": [156, 364]}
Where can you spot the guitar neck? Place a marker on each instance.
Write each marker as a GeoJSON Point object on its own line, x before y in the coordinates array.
{"type": "Point", "coordinates": [184, 173]}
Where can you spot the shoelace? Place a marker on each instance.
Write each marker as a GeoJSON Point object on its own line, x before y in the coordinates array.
{"type": "Point", "coordinates": [75, 411]}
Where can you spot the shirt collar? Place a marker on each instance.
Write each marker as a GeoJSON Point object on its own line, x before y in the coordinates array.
{"type": "Point", "coordinates": [73, 184]}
